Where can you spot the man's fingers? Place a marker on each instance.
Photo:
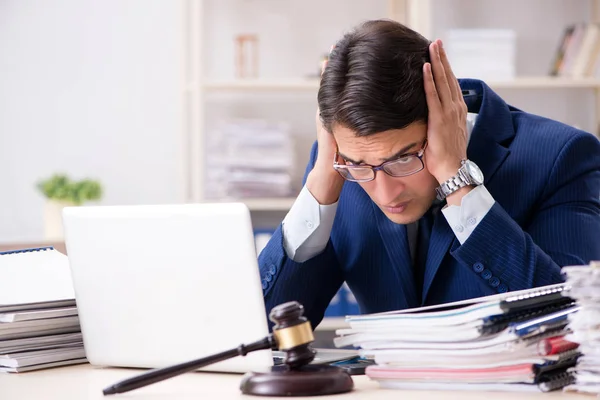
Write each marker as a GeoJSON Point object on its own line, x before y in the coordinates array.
{"type": "Point", "coordinates": [431, 92]}
{"type": "Point", "coordinates": [453, 82]}
{"type": "Point", "coordinates": [441, 81]}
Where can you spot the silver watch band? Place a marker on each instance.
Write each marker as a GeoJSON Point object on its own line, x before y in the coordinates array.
{"type": "Point", "coordinates": [450, 186]}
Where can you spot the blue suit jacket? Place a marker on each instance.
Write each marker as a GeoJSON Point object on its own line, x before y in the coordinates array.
{"type": "Point", "coordinates": [545, 178]}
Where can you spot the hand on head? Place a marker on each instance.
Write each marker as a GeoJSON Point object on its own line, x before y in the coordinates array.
{"type": "Point", "coordinates": [446, 125]}
{"type": "Point", "coordinates": [324, 183]}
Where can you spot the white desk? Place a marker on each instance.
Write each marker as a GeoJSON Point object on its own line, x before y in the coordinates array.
{"type": "Point", "coordinates": [85, 382]}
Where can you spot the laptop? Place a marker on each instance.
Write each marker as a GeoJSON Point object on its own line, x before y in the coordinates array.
{"type": "Point", "coordinates": [157, 285]}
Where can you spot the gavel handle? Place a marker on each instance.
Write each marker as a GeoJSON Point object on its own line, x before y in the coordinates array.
{"type": "Point", "coordinates": [160, 374]}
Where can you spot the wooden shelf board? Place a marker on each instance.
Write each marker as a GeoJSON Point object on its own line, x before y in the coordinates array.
{"type": "Point", "coordinates": [525, 82]}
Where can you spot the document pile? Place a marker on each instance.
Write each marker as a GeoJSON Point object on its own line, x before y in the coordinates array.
{"type": "Point", "coordinates": [584, 286]}
{"type": "Point", "coordinates": [509, 342]}
{"type": "Point", "coordinates": [250, 158]}
{"type": "Point", "coordinates": [39, 324]}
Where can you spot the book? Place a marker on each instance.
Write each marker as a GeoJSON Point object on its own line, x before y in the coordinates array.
{"type": "Point", "coordinates": [28, 315]}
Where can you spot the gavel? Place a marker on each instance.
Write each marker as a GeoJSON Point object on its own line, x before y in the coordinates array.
{"type": "Point", "coordinates": [292, 334]}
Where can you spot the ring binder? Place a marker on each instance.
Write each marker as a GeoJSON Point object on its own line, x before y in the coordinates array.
{"type": "Point", "coordinates": [497, 323]}
{"type": "Point", "coordinates": [555, 381]}
{"type": "Point", "coordinates": [537, 297]}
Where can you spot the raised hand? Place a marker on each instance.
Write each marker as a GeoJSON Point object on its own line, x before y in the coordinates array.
{"type": "Point", "coordinates": [323, 182]}
{"type": "Point", "coordinates": [446, 125]}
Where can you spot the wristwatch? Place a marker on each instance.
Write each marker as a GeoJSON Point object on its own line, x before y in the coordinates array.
{"type": "Point", "coordinates": [468, 174]}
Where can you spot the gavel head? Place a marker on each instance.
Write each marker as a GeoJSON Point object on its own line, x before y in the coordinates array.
{"type": "Point", "coordinates": [293, 333]}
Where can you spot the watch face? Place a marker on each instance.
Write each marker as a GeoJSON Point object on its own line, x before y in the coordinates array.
{"type": "Point", "coordinates": [474, 172]}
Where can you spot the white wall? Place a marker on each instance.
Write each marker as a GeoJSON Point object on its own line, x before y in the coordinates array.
{"type": "Point", "coordinates": [90, 88]}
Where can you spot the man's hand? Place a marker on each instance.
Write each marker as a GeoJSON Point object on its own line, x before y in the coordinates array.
{"type": "Point", "coordinates": [446, 126]}
{"type": "Point", "coordinates": [323, 182]}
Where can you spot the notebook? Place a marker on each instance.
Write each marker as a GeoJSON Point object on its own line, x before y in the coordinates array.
{"type": "Point", "coordinates": [34, 278]}
{"type": "Point", "coordinates": [39, 323]}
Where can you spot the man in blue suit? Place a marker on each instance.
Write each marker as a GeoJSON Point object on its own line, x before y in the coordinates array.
{"type": "Point", "coordinates": [423, 190]}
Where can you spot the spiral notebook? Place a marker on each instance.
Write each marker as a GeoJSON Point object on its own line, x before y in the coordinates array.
{"type": "Point", "coordinates": [35, 278]}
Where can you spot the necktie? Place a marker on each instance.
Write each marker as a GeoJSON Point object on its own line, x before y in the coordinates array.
{"type": "Point", "coordinates": [425, 226]}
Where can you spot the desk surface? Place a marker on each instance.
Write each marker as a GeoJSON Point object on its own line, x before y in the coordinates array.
{"type": "Point", "coordinates": [84, 382]}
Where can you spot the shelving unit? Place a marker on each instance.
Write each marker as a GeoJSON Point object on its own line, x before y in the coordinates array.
{"type": "Point", "coordinates": [418, 14]}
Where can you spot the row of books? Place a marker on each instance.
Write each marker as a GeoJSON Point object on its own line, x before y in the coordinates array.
{"type": "Point", "coordinates": [509, 342]}
{"type": "Point", "coordinates": [36, 333]}
{"type": "Point", "coordinates": [578, 53]}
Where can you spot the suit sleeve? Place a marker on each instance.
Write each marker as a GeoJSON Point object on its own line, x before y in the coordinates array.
{"type": "Point", "coordinates": [563, 229]}
{"type": "Point", "coordinates": [313, 282]}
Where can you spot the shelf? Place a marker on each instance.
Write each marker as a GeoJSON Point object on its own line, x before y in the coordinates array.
{"type": "Point", "coordinates": [272, 204]}
{"type": "Point", "coordinates": [264, 84]}
{"type": "Point", "coordinates": [525, 82]}
{"type": "Point", "coordinates": [545, 82]}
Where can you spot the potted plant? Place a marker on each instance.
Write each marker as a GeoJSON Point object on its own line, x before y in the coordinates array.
{"type": "Point", "coordinates": [60, 192]}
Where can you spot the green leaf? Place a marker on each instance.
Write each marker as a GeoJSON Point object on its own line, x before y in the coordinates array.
{"type": "Point", "coordinates": [60, 187]}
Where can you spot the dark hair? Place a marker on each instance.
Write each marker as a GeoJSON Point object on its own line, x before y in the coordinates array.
{"type": "Point", "coordinates": [373, 81]}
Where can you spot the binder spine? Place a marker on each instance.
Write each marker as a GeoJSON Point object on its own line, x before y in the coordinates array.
{"type": "Point", "coordinates": [29, 250]}
{"type": "Point", "coordinates": [557, 381]}
{"type": "Point", "coordinates": [532, 299]}
{"type": "Point", "coordinates": [498, 323]}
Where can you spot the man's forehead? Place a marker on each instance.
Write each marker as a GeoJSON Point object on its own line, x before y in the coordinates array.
{"type": "Point", "coordinates": [379, 146]}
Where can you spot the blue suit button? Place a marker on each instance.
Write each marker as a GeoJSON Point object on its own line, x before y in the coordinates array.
{"type": "Point", "coordinates": [494, 281]}
{"type": "Point", "coordinates": [478, 267]}
{"type": "Point", "coordinates": [502, 288]}
{"type": "Point", "coordinates": [486, 274]}
{"type": "Point", "coordinates": [265, 285]}
{"type": "Point", "coordinates": [272, 269]}
{"type": "Point", "coordinates": [268, 277]}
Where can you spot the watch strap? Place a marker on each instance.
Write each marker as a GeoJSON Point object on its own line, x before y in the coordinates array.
{"type": "Point", "coordinates": [450, 186]}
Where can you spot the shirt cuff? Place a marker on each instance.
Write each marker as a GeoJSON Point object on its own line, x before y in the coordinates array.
{"type": "Point", "coordinates": [307, 227]}
{"type": "Point", "coordinates": [474, 206]}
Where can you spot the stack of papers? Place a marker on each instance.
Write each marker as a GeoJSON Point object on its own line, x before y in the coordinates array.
{"type": "Point", "coordinates": [584, 285]}
{"type": "Point", "coordinates": [509, 342]}
{"type": "Point", "coordinates": [39, 324]}
{"type": "Point", "coordinates": [249, 158]}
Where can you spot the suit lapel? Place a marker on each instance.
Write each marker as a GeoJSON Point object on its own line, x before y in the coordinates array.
{"type": "Point", "coordinates": [492, 127]}
{"type": "Point", "coordinates": [395, 241]}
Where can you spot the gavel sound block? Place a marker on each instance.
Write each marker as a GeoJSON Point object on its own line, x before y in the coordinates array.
{"type": "Point", "coordinates": [293, 335]}
{"type": "Point", "coordinates": [296, 377]}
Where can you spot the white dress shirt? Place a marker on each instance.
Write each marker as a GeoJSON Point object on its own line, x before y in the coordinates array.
{"type": "Point", "coordinates": [307, 226]}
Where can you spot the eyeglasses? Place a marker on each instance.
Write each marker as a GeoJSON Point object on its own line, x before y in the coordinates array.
{"type": "Point", "coordinates": [405, 165]}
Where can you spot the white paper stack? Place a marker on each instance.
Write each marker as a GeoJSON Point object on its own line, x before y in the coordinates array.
{"type": "Point", "coordinates": [509, 342]}
{"type": "Point", "coordinates": [250, 158]}
{"type": "Point", "coordinates": [584, 282]}
{"type": "Point", "coordinates": [39, 324]}
{"type": "Point", "coordinates": [487, 54]}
